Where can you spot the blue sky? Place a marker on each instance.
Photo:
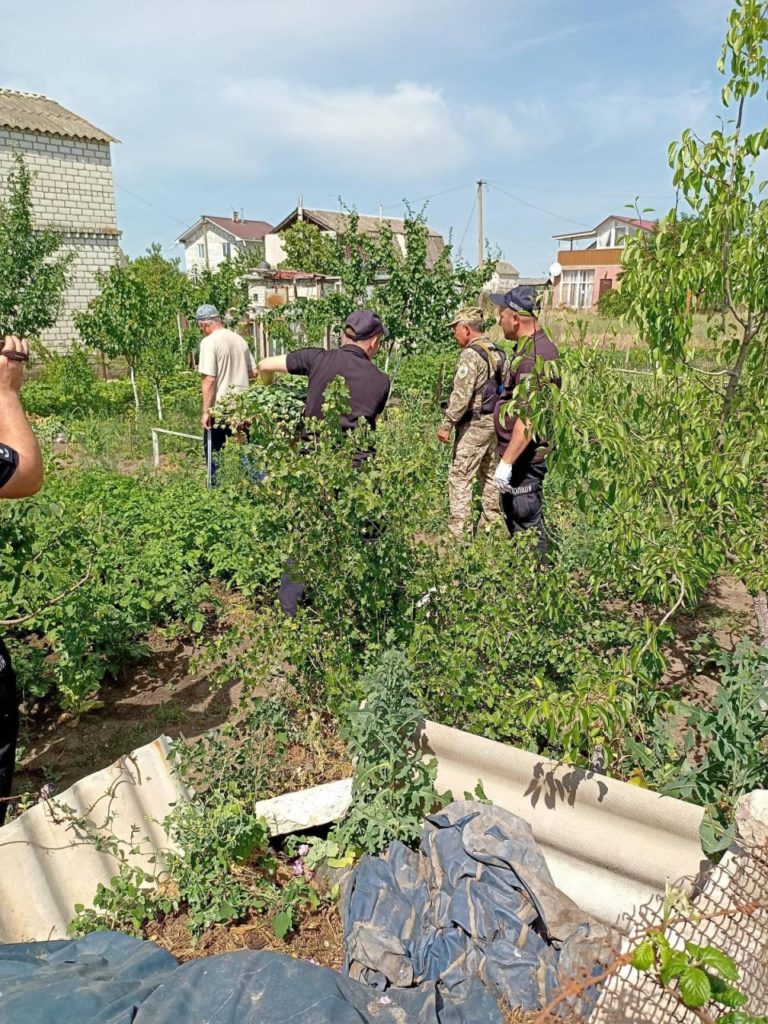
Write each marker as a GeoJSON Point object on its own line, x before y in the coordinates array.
{"type": "Point", "coordinates": [566, 106]}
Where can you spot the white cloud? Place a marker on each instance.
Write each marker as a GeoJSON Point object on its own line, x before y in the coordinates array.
{"type": "Point", "coordinates": [360, 129]}
{"type": "Point", "coordinates": [607, 117]}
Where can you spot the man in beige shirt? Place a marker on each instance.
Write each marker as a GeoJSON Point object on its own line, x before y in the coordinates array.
{"type": "Point", "coordinates": [226, 365]}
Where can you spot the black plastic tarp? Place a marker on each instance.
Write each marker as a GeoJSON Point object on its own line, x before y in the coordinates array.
{"type": "Point", "coordinates": [476, 901]}
{"type": "Point", "coordinates": [108, 978]}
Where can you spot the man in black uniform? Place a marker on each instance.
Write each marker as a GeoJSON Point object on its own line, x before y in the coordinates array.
{"type": "Point", "coordinates": [21, 474]}
{"type": "Point", "coordinates": [522, 467]}
{"type": "Point", "coordinates": [368, 393]}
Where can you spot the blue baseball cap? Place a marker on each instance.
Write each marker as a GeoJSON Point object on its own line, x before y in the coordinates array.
{"type": "Point", "coordinates": [362, 325]}
{"type": "Point", "coordinates": [207, 312]}
{"type": "Point", "coordinates": [523, 299]}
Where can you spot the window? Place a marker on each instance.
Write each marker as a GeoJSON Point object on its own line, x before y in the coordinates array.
{"type": "Point", "coordinates": [201, 251]}
{"type": "Point", "coordinates": [576, 289]}
{"type": "Point", "coordinates": [226, 250]}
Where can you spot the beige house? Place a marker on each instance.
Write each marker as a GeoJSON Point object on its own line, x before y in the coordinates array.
{"type": "Point", "coordinates": [331, 222]}
{"type": "Point", "coordinates": [72, 191]}
{"type": "Point", "coordinates": [212, 240]}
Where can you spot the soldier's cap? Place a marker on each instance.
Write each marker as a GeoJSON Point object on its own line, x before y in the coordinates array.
{"type": "Point", "coordinates": [362, 325]}
{"type": "Point", "coordinates": [207, 312]}
{"type": "Point", "coordinates": [467, 314]}
{"type": "Point", "coordinates": [523, 300]}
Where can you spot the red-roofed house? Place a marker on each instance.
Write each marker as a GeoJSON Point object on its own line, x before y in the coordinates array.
{"type": "Point", "coordinates": [214, 239]}
{"type": "Point", "coordinates": [591, 263]}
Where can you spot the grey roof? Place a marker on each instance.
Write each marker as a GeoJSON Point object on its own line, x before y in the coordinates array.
{"type": "Point", "coordinates": [31, 112]}
{"type": "Point", "coordinates": [502, 267]}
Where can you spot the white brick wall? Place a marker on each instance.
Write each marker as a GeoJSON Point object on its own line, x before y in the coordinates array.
{"type": "Point", "coordinates": [72, 190]}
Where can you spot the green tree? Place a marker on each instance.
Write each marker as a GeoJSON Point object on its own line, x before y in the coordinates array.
{"type": "Point", "coordinates": [716, 254]}
{"type": "Point", "coordinates": [420, 291]}
{"type": "Point", "coordinates": [33, 277]}
{"type": "Point", "coordinates": [307, 249]}
{"type": "Point", "coordinates": [135, 317]}
{"type": "Point", "coordinates": [414, 290]}
{"type": "Point", "coordinates": [225, 287]}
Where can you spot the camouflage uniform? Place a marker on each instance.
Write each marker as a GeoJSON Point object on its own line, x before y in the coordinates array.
{"type": "Point", "coordinates": [474, 450]}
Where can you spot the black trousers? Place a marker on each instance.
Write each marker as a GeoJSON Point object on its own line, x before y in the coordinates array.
{"type": "Point", "coordinates": [9, 726]}
{"type": "Point", "coordinates": [522, 507]}
{"type": "Point", "coordinates": [214, 440]}
{"type": "Point", "coordinates": [292, 588]}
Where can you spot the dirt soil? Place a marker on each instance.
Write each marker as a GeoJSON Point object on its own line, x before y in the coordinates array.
{"type": "Point", "coordinates": [727, 615]}
{"type": "Point", "coordinates": [158, 694]}
{"type": "Point", "coordinates": [318, 937]}
{"type": "Point", "coordinates": [167, 691]}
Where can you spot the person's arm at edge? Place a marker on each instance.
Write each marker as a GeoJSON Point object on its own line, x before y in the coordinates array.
{"type": "Point", "coordinates": [271, 365]}
{"type": "Point", "coordinates": [518, 442]}
{"type": "Point", "coordinates": [209, 399]}
{"type": "Point", "coordinates": [16, 432]}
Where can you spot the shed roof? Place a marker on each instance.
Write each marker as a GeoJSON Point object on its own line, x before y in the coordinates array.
{"type": "Point", "coordinates": [33, 112]}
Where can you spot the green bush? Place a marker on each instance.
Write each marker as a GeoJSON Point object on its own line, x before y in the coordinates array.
{"type": "Point", "coordinates": [611, 303]}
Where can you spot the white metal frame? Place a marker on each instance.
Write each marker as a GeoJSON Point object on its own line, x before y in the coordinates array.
{"type": "Point", "coordinates": [156, 440]}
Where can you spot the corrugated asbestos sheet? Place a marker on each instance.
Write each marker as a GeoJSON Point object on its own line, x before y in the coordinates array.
{"type": "Point", "coordinates": [31, 112]}
{"type": "Point", "coordinates": [610, 846]}
{"type": "Point", "coordinates": [48, 860]}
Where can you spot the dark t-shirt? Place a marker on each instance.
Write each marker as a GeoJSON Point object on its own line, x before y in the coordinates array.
{"type": "Point", "coordinates": [9, 461]}
{"type": "Point", "coordinates": [522, 364]}
{"type": "Point", "coordinates": [368, 386]}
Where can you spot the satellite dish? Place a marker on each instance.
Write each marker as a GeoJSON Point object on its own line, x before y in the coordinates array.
{"type": "Point", "coordinates": [555, 270]}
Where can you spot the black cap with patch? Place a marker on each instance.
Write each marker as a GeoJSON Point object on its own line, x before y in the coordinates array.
{"type": "Point", "coordinates": [523, 299]}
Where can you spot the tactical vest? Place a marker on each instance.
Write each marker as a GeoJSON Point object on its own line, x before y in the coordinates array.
{"type": "Point", "coordinates": [492, 388]}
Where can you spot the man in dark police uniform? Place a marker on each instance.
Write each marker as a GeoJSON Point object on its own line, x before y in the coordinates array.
{"type": "Point", "coordinates": [522, 466]}
{"type": "Point", "coordinates": [368, 393]}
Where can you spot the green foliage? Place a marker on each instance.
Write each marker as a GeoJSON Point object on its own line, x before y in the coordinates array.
{"type": "Point", "coordinates": [215, 836]}
{"type": "Point", "coordinates": [126, 904]}
{"type": "Point", "coordinates": [307, 249]}
{"type": "Point", "coordinates": [416, 291]}
{"type": "Point", "coordinates": [68, 386]}
{"type": "Point", "coordinates": [734, 735]}
{"type": "Point", "coordinates": [224, 288]}
{"type": "Point", "coordinates": [89, 566]}
{"type": "Point", "coordinates": [33, 273]}
{"type": "Point", "coordinates": [522, 655]}
{"type": "Point", "coordinates": [611, 303]}
{"type": "Point", "coordinates": [699, 976]}
{"type": "Point", "coordinates": [393, 787]}
{"type": "Point", "coordinates": [427, 376]}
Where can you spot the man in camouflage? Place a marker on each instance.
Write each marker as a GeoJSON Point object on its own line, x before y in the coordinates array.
{"type": "Point", "coordinates": [469, 414]}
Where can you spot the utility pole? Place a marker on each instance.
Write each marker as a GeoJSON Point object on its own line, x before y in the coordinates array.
{"type": "Point", "coordinates": [480, 238]}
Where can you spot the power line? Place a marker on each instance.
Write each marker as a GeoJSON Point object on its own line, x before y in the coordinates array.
{"type": "Point", "coordinates": [466, 229]}
{"type": "Point", "coordinates": [152, 205]}
{"type": "Point", "coordinates": [587, 192]}
{"type": "Point", "coordinates": [532, 206]}
{"type": "Point", "coordinates": [435, 195]}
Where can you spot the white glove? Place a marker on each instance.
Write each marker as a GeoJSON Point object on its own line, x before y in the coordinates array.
{"type": "Point", "coordinates": [502, 477]}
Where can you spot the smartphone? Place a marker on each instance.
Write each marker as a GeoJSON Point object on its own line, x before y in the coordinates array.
{"type": "Point", "coordinates": [12, 354]}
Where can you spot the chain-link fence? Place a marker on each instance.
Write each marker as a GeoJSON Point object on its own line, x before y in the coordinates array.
{"type": "Point", "coordinates": [727, 910]}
